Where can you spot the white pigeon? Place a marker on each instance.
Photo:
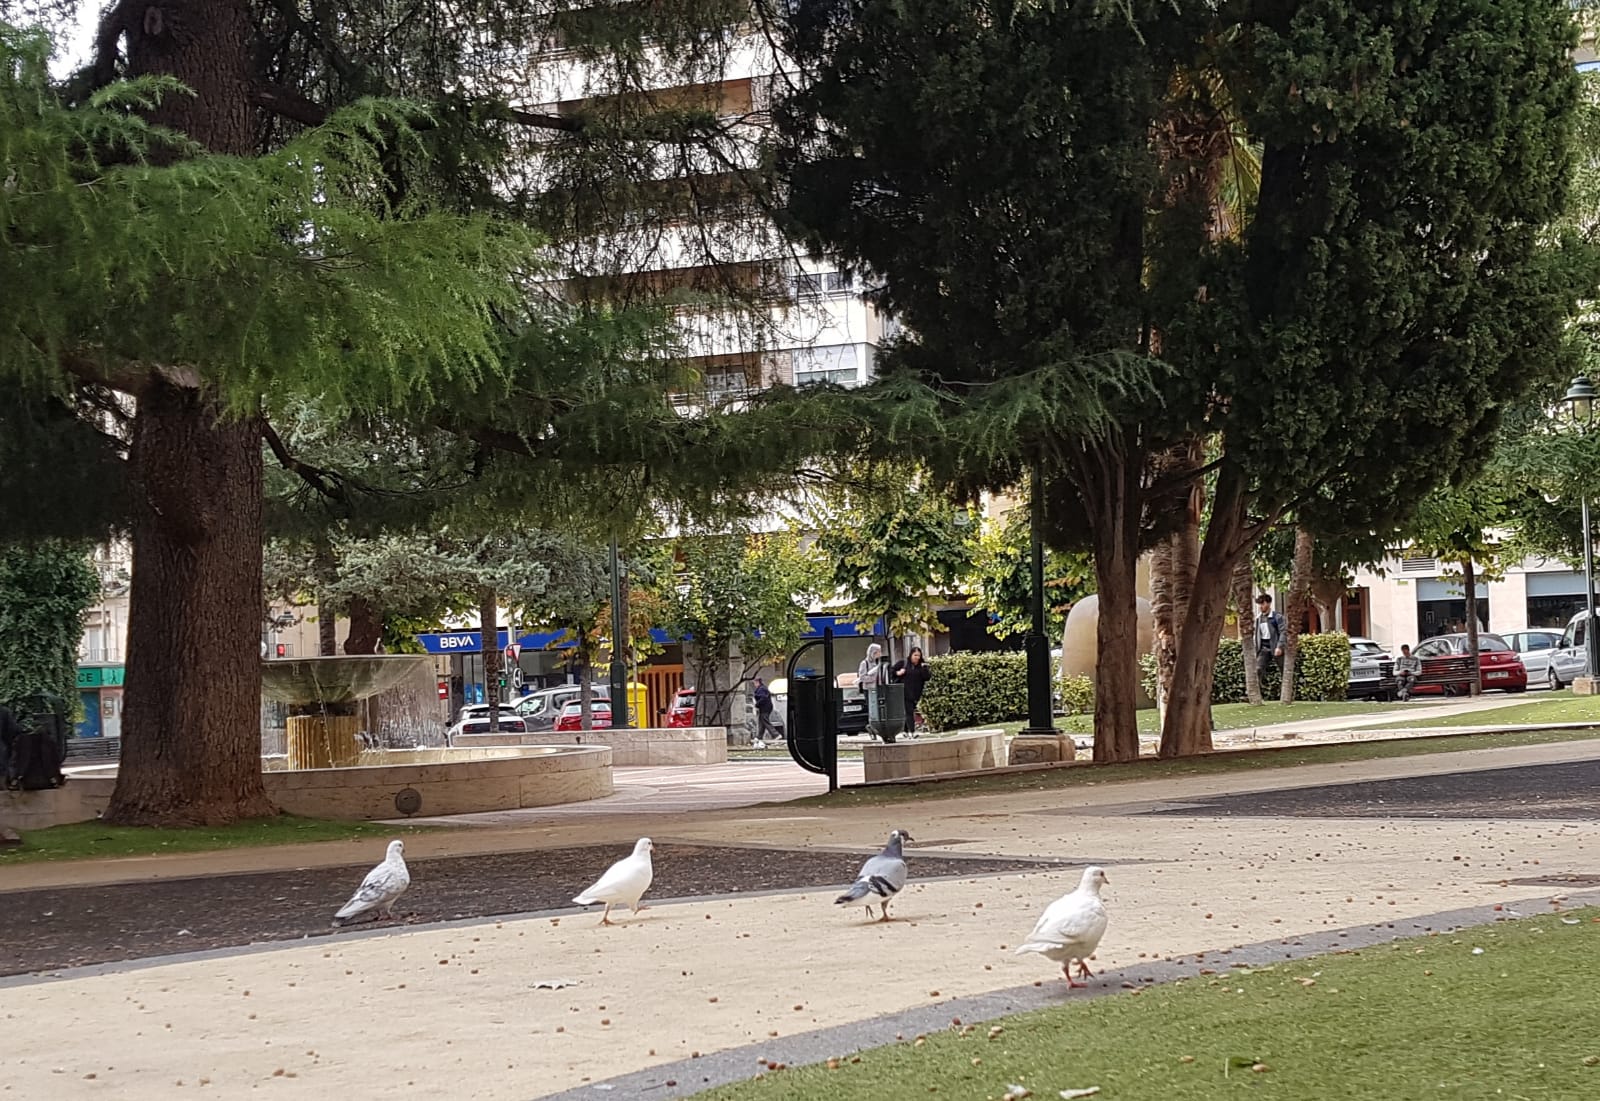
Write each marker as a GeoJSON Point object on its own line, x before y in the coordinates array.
{"type": "Point", "coordinates": [883, 875]}
{"type": "Point", "coordinates": [624, 883]}
{"type": "Point", "coordinates": [1071, 927]}
{"type": "Point", "coordinates": [381, 889]}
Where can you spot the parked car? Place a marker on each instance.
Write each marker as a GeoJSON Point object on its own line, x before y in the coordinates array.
{"type": "Point", "coordinates": [544, 707]}
{"type": "Point", "coordinates": [1371, 671]}
{"type": "Point", "coordinates": [1498, 666]}
{"type": "Point", "coordinates": [1533, 646]}
{"type": "Point", "coordinates": [681, 712]}
{"type": "Point", "coordinates": [1570, 659]}
{"type": "Point", "coordinates": [571, 717]}
{"type": "Point", "coordinates": [510, 723]}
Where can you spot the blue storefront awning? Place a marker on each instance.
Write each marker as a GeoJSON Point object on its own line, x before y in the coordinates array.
{"type": "Point", "coordinates": [471, 642]}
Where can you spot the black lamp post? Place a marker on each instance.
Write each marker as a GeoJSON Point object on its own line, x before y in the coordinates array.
{"type": "Point", "coordinates": [1036, 644]}
{"type": "Point", "coordinates": [1580, 402]}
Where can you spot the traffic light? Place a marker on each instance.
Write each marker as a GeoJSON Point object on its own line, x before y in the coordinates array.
{"type": "Point", "coordinates": [282, 649]}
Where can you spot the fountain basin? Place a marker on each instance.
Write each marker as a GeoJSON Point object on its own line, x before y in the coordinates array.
{"type": "Point", "coordinates": [396, 783]}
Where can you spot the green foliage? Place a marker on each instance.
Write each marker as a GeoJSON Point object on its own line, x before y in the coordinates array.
{"type": "Point", "coordinates": [1077, 694]}
{"type": "Point", "coordinates": [972, 689]}
{"type": "Point", "coordinates": [1323, 674]}
{"type": "Point", "coordinates": [894, 542]}
{"type": "Point", "coordinates": [368, 301]}
{"type": "Point", "coordinates": [1324, 667]}
{"type": "Point", "coordinates": [44, 590]}
{"type": "Point", "coordinates": [999, 580]}
{"type": "Point", "coordinates": [741, 589]}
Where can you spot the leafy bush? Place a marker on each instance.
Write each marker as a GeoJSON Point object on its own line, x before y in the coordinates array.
{"type": "Point", "coordinates": [972, 689]}
{"type": "Point", "coordinates": [1324, 671]}
{"type": "Point", "coordinates": [1324, 667]}
{"type": "Point", "coordinates": [1077, 694]}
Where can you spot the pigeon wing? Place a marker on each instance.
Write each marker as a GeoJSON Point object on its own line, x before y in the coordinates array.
{"type": "Point", "coordinates": [383, 884]}
{"type": "Point", "coordinates": [888, 869]}
{"type": "Point", "coordinates": [1076, 921]}
{"type": "Point", "coordinates": [625, 880]}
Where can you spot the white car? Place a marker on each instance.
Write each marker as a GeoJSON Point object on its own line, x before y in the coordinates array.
{"type": "Point", "coordinates": [1570, 659]}
{"type": "Point", "coordinates": [478, 723]}
{"type": "Point", "coordinates": [1535, 646]}
{"type": "Point", "coordinates": [1371, 671]}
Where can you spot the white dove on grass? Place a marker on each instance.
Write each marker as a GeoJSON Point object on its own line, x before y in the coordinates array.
{"type": "Point", "coordinates": [882, 876]}
{"type": "Point", "coordinates": [624, 883]}
{"type": "Point", "coordinates": [1071, 927]}
{"type": "Point", "coordinates": [381, 889]}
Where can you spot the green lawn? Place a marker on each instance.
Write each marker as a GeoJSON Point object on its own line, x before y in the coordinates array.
{"type": "Point", "coordinates": [1237, 716]}
{"type": "Point", "coordinates": [84, 840]}
{"type": "Point", "coordinates": [1423, 1018]}
{"type": "Point", "coordinates": [1001, 783]}
{"type": "Point", "coordinates": [1548, 707]}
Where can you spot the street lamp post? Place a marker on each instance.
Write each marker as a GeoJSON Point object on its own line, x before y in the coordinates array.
{"type": "Point", "coordinates": [1036, 644]}
{"type": "Point", "coordinates": [1580, 402]}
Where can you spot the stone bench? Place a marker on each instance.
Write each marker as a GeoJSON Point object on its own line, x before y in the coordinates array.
{"type": "Point", "coordinates": [901, 760]}
{"type": "Point", "coordinates": [652, 746]}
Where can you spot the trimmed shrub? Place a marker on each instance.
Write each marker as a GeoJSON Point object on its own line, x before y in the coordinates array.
{"type": "Point", "coordinates": [1324, 667]}
{"type": "Point", "coordinates": [1077, 694]}
{"type": "Point", "coordinates": [973, 689]}
{"type": "Point", "coordinates": [1324, 671]}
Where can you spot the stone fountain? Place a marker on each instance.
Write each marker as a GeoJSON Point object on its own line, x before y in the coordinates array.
{"type": "Point", "coordinates": [329, 703]}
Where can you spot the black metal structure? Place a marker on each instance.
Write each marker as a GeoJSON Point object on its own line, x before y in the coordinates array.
{"type": "Point", "coordinates": [812, 729]}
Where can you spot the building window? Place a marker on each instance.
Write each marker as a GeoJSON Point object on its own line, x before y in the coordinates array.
{"type": "Point", "coordinates": [836, 364]}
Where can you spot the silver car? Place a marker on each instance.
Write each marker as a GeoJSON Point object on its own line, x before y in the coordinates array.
{"type": "Point", "coordinates": [1570, 659]}
{"type": "Point", "coordinates": [1534, 646]}
{"type": "Point", "coordinates": [1371, 671]}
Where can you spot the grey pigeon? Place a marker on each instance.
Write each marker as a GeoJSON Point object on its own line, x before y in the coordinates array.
{"type": "Point", "coordinates": [381, 889]}
{"type": "Point", "coordinates": [883, 876]}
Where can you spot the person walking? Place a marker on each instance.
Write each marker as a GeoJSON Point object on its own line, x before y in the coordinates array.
{"type": "Point", "coordinates": [913, 672]}
{"type": "Point", "coordinates": [763, 697]}
{"type": "Point", "coordinates": [1269, 635]}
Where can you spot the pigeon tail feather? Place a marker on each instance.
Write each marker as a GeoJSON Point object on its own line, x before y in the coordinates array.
{"type": "Point", "coordinates": [858, 890]}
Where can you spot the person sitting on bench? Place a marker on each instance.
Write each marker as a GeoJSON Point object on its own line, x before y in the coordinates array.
{"type": "Point", "coordinates": [1407, 669]}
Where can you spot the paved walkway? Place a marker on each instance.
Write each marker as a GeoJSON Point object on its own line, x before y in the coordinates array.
{"type": "Point", "coordinates": [459, 1010]}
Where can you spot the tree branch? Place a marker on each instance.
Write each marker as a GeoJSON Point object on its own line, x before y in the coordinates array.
{"type": "Point", "coordinates": [542, 121]}
{"type": "Point", "coordinates": [289, 103]}
{"type": "Point", "coordinates": [323, 481]}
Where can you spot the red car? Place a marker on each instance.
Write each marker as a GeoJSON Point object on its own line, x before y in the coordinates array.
{"type": "Point", "coordinates": [1499, 667]}
{"type": "Point", "coordinates": [571, 717]}
{"type": "Point", "coordinates": [682, 711]}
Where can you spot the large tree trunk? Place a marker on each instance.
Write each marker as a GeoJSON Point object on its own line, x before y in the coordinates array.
{"type": "Point", "coordinates": [1115, 526]}
{"type": "Point", "coordinates": [327, 630]}
{"type": "Point", "coordinates": [1186, 727]}
{"type": "Point", "coordinates": [191, 727]}
{"type": "Point", "coordinates": [1469, 589]}
{"type": "Point", "coordinates": [586, 687]}
{"type": "Point", "coordinates": [1244, 585]}
{"type": "Point", "coordinates": [1298, 603]}
{"type": "Point", "coordinates": [1174, 560]}
{"type": "Point", "coordinates": [488, 619]}
{"type": "Point", "coordinates": [191, 743]}
{"type": "Point", "coordinates": [366, 629]}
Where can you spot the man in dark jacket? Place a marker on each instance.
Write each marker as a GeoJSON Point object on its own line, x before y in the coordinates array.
{"type": "Point", "coordinates": [1268, 635]}
{"type": "Point", "coordinates": [763, 697]}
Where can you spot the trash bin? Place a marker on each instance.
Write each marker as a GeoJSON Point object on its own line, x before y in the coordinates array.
{"type": "Point", "coordinates": [886, 711]}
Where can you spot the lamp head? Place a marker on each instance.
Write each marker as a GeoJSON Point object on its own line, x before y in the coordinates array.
{"type": "Point", "coordinates": [1580, 397]}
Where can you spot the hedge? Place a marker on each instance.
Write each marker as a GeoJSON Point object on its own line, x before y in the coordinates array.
{"type": "Point", "coordinates": [1324, 671]}
{"type": "Point", "coordinates": [977, 689]}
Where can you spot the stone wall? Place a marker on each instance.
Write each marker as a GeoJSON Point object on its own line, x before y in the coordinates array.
{"type": "Point", "coordinates": [81, 800]}
{"type": "Point", "coordinates": [903, 760]}
{"type": "Point", "coordinates": [652, 746]}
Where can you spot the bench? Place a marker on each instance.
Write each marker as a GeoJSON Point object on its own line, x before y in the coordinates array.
{"type": "Point", "coordinates": [1446, 673]}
